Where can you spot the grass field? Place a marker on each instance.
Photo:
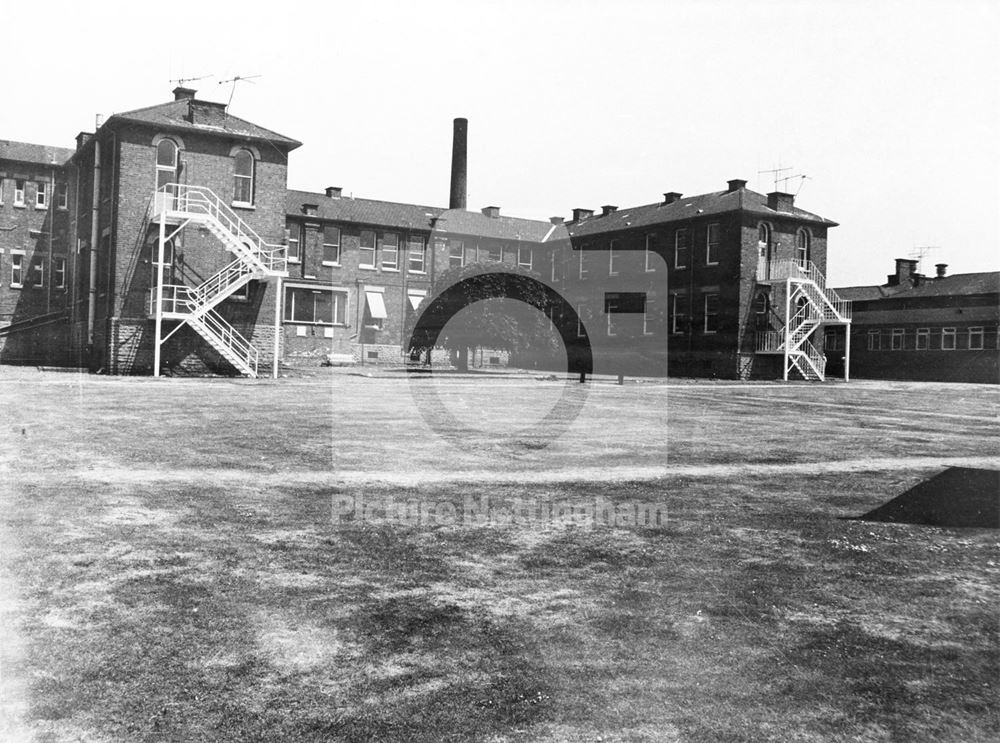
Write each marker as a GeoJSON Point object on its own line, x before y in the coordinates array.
{"type": "Point", "coordinates": [177, 564]}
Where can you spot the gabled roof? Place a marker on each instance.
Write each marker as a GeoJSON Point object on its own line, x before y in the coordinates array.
{"type": "Point", "coordinates": [462, 222]}
{"type": "Point", "coordinates": [189, 114]}
{"type": "Point", "coordinates": [364, 211]}
{"type": "Point", "coordinates": [959, 284]}
{"type": "Point", "coordinates": [687, 207]}
{"type": "Point", "coordinates": [39, 154]}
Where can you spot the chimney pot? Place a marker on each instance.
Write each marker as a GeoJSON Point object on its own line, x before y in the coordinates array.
{"type": "Point", "coordinates": [459, 164]}
{"type": "Point", "coordinates": [942, 268]}
{"type": "Point", "coordinates": [780, 201]}
{"type": "Point", "coordinates": [333, 192]}
{"type": "Point", "coordinates": [736, 184]}
{"type": "Point", "coordinates": [556, 220]}
{"type": "Point", "coordinates": [670, 197]}
{"type": "Point", "coordinates": [608, 209]}
{"type": "Point", "coordinates": [181, 93]}
{"type": "Point", "coordinates": [905, 269]}
{"type": "Point", "coordinates": [491, 211]}
{"type": "Point", "coordinates": [581, 214]}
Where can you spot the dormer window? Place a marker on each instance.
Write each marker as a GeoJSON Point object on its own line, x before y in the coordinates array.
{"type": "Point", "coordinates": [243, 176]}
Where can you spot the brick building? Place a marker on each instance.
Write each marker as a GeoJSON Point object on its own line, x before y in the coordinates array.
{"type": "Point", "coordinates": [932, 328]}
{"type": "Point", "coordinates": [185, 253]}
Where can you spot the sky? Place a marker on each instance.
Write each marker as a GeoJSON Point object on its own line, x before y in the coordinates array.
{"type": "Point", "coordinates": [890, 109]}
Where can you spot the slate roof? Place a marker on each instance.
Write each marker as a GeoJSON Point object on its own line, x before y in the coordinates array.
{"type": "Point", "coordinates": [959, 284]}
{"type": "Point", "coordinates": [686, 207]}
{"type": "Point", "coordinates": [364, 211]}
{"type": "Point", "coordinates": [202, 116]}
{"type": "Point", "coordinates": [462, 222]}
{"type": "Point", "coordinates": [41, 154]}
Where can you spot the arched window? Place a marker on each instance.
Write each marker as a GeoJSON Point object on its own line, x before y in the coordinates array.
{"type": "Point", "coordinates": [166, 162]}
{"type": "Point", "coordinates": [802, 247]}
{"type": "Point", "coordinates": [764, 234]}
{"type": "Point", "coordinates": [243, 175]}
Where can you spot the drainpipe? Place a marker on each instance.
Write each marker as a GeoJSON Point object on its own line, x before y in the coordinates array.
{"type": "Point", "coordinates": [94, 214]}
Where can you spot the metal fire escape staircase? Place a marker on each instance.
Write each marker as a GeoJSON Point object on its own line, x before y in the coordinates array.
{"type": "Point", "coordinates": [809, 304]}
{"type": "Point", "coordinates": [181, 205]}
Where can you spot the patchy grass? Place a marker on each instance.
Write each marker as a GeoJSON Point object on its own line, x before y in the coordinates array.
{"type": "Point", "coordinates": [175, 570]}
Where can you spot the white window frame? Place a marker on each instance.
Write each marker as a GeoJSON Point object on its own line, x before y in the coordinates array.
{"type": "Point", "coordinates": [583, 271]}
{"type": "Point", "coordinates": [37, 269]}
{"type": "Point", "coordinates": [454, 245]}
{"type": "Point", "coordinates": [980, 332]}
{"type": "Point", "coordinates": [646, 324]}
{"type": "Point", "coordinates": [239, 178]}
{"type": "Point", "coordinates": [686, 233]}
{"type": "Point", "coordinates": [521, 263]}
{"type": "Point", "coordinates": [611, 258]}
{"type": "Point", "coordinates": [362, 249]}
{"type": "Point", "coordinates": [923, 340]}
{"type": "Point", "coordinates": [3, 186]}
{"type": "Point", "coordinates": [803, 246]}
{"type": "Point", "coordinates": [712, 246]}
{"type": "Point", "coordinates": [949, 333]}
{"type": "Point", "coordinates": [390, 252]}
{"type": "Point", "coordinates": [337, 245]}
{"type": "Point", "coordinates": [339, 298]}
{"type": "Point", "coordinates": [897, 333]}
{"type": "Point", "coordinates": [874, 340]}
{"type": "Point", "coordinates": [707, 316]}
{"type": "Point", "coordinates": [58, 272]}
{"type": "Point", "coordinates": [553, 276]}
{"type": "Point", "coordinates": [62, 195]}
{"type": "Point", "coordinates": [20, 186]}
{"type": "Point", "coordinates": [676, 299]}
{"type": "Point", "coordinates": [579, 322]}
{"type": "Point", "coordinates": [650, 265]}
{"type": "Point", "coordinates": [17, 269]}
{"type": "Point", "coordinates": [415, 249]}
{"type": "Point", "coordinates": [609, 306]}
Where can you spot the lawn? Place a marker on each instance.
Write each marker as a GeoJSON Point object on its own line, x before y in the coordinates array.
{"type": "Point", "coordinates": [227, 560]}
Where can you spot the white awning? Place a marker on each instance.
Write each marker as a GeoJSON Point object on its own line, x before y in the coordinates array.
{"type": "Point", "coordinates": [416, 299]}
{"type": "Point", "coordinates": [376, 305]}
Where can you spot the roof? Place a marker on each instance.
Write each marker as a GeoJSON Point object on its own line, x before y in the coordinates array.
{"type": "Point", "coordinates": [462, 222]}
{"type": "Point", "coordinates": [41, 154]}
{"type": "Point", "coordinates": [189, 114]}
{"type": "Point", "coordinates": [365, 211]}
{"type": "Point", "coordinates": [959, 284]}
{"type": "Point", "coordinates": [683, 208]}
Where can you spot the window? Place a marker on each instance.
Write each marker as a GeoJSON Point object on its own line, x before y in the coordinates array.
{"type": "Point", "coordinates": [294, 242]}
{"type": "Point", "coordinates": [17, 270]}
{"type": "Point", "coordinates": [650, 253]}
{"type": "Point", "coordinates": [678, 313]}
{"type": "Point", "coordinates": [874, 340]}
{"type": "Point", "coordinates": [923, 339]}
{"type": "Point", "coordinates": [366, 244]}
{"type": "Point", "coordinates": [41, 195]}
{"type": "Point", "coordinates": [833, 341]}
{"type": "Point", "coordinates": [612, 247]}
{"type": "Point", "coordinates": [18, 192]}
{"type": "Point", "coordinates": [456, 254]}
{"type": "Point", "coordinates": [947, 339]}
{"type": "Point", "coordinates": [681, 248]}
{"type": "Point", "coordinates": [802, 247]}
{"type": "Point", "coordinates": [898, 335]}
{"type": "Point", "coordinates": [416, 253]}
{"type": "Point", "coordinates": [557, 267]}
{"type": "Point", "coordinates": [610, 308]}
{"type": "Point", "coordinates": [59, 272]}
{"type": "Point", "coordinates": [647, 319]}
{"type": "Point", "coordinates": [375, 313]}
{"type": "Point", "coordinates": [3, 183]}
{"type": "Point", "coordinates": [524, 257]}
{"type": "Point", "coordinates": [763, 235]}
{"type": "Point", "coordinates": [166, 163]}
{"type": "Point", "coordinates": [976, 339]}
{"type": "Point", "coordinates": [315, 306]}
{"type": "Point", "coordinates": [494, 253]}
{"type": "Point", "coordinates": [62, 195]}
{"type": "Point", "coordinates": [580, 331]}
{"type": "Point", "coordinates": [390, 251]}
{"type": "Point", "coordinates": [712, 245]}
{"type": "Point", "coordinates": [38, 272]}
{"type": "Point", "coordinates": [711, 313]}
{"type": "Point", "coordinates": [415, 296]}
{"type": "Point", "coordinates": [331, 245]}
{"type": "Point", "coordinates": [243, 173]}
{"type": "Point", "coordinates": [583, 263]}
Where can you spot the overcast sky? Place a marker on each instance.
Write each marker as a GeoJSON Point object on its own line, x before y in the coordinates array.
{"type": "Point", "coordinates": [892, 109]}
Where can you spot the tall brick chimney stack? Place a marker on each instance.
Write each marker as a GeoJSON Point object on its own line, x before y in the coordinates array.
{"type": "Point", "coordinates": [459, 164]}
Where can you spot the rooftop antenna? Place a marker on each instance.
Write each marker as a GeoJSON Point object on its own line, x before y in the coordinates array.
{"type": "Point", "coordinates": [234, 80]}
{"type": "Point", "coordinates": [182, 80]}
{"type": "Point", "coordinates": [776, 171]}
{"type": "Point", "coordinates": [919, 252]}
{"type": "Point", "coordinates": [783, 181]}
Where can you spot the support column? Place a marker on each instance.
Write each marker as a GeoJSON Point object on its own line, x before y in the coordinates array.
{"type": "Point", "coordinates": [847, 352]}
{"type": "Point", "coordinates": [788, 331]}
{"type": "Point", "coordinates": [278, 299]}
{"type": "Point", "coordinates": [159, 288]}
